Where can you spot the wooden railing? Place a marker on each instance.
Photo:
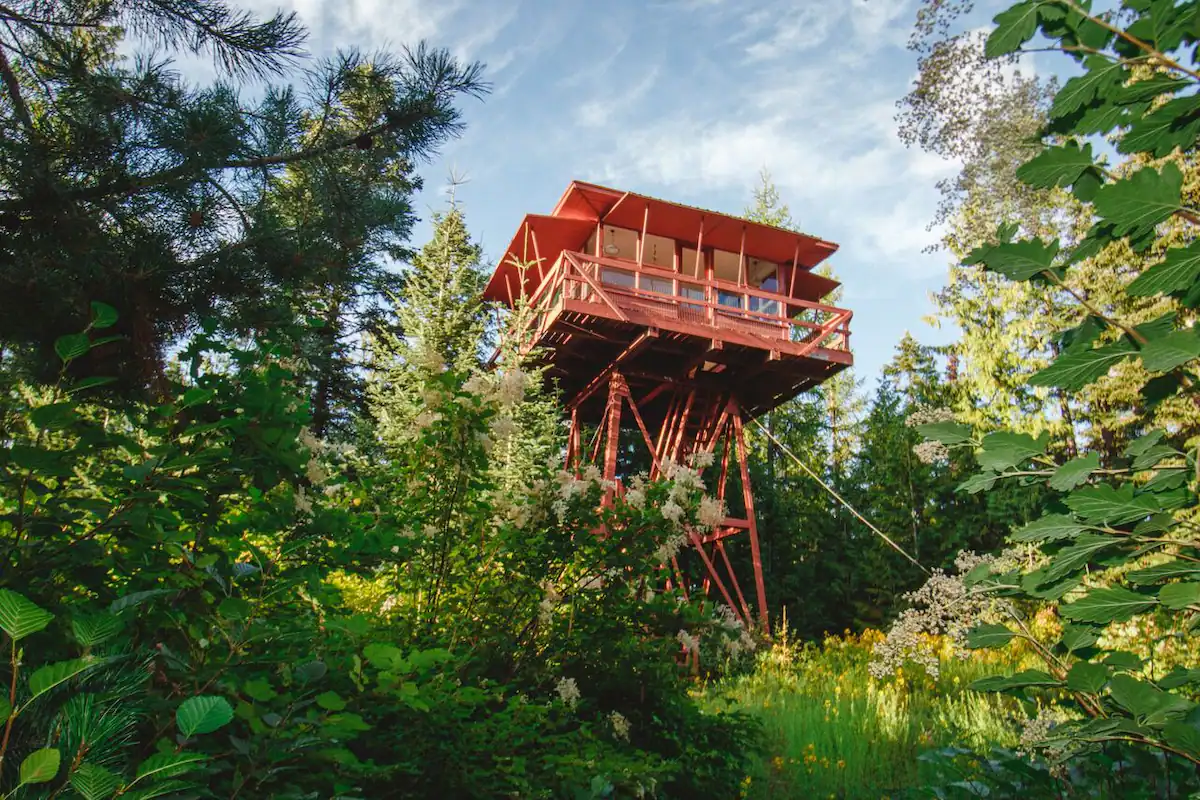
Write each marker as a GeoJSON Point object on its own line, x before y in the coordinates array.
{"type": "Point", "coordinates": [622, 287]}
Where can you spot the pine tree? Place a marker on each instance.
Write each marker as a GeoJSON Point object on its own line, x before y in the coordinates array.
{"type": "Point", "coordinates": [441, 320]}
{"type": "Point", "coordinates": [127, 185]}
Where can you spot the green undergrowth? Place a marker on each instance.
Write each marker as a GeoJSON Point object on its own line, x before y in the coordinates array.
{"type": "Point", "coordinates": [833, 730]}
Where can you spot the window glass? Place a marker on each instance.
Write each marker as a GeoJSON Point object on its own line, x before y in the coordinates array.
{"type": "Point", "coordinates": [690, 291]}
{"type": "Point", "coordinates": [616, 277]}
{"type": "Point", "coordinates": [731, 299]}
{"type": "Point", "coordinates": [620, 243]}
{"type": "Point", "coordinates": [653, 284]}
{"type": "Point", "coordinates": [725, 265]}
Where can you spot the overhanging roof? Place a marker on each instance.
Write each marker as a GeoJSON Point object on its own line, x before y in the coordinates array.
{"type": "Point", "coordinates": [541, 238]}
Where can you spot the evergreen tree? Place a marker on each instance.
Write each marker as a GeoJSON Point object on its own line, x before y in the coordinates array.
{"type": "Point", "coordinates": [125, 184]}
{"type": "Point", "coordinates": [441, 324]}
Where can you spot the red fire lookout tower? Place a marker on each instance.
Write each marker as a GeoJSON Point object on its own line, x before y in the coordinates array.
{"type": "Point", "coordinates": [697, 322]}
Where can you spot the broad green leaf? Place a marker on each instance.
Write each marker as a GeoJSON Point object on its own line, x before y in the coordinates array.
{"type": "Point", "coordinates": [1077, 556]}
{"type": "Point", "coordinates": [54, 416]}
{"type": "Point", "coordinates": [1105, 504]}
{"type": "Point", "coordinates": [46, 678]}
{"type": "Point", "coordinates": [203, 714]}
{"type": "Point", "coordinates": [167, 787]}
{"type": "Point", "coordinates": [1073, 371]}
{"type": "Point", "coordinates": [1178, 596]}
{"type": "Point", "coordinates": [1166, 479]}
{"type": "Point", "coordinates": [1150, 458]}
{"type": "Point", "coordinates": [234, 608]}
{"type": "Point", "coordinates": [134, 599]}
{"type": "Point", "coordinates": [1151, 87]}
{"type": "Point", "coordinates": [1182, 736]}
{"type": "Point", "coordinates": [103, 315]}
{"type": "Point", "coordinates": [1122, 660]}
{"type": "Point", "coordinates": [1162, 572]}
{"type": "Point", "coordinates": [1135, 696]}
{"type": "Point", "coordinates": [1175, 124]}
{"type": "Point", "coordinates": [1142, 200]}
{"type": "Point", "coordinates": [1003, 449]}
{"type": "Point", "coordinates": [40, 766]}
{"type": "Point", "coordinates": [1075, 472]}
{"type": "Point", "coordinates": [19, 617]}
{"type": "Point", "coordinates": [1144, 443]}
{"type": "Point", "coordinates": [89, 383]}
{"type": "Point", "coordinates": [948, 433]}
{"type": "Point", "coordinates": [1087, 677]}
{"type": "Point", "coordinates": [1109, 604]}
{"type": "Point", "coordinates": [1179, 270]}
{"type": "Point", "coordinates": [1173, 350]}
{"type": "Point", "coordinates": [1056, 166]}
{"type": "Point", "coordinates": [978, 483]}
{"type": "Point", "coordinates": [1014, 27]}
{"type": "Point", "coordinates": [1021, 680]}
{"type": "Point", "coordinates": [1078, 637]}
{"type": "Point", "coordinates": [1102, 76]}
{"type": "Point", "coordinates": [312, 671]}
{"type": "Point", "coordinates": [384, 656]}
{"type": "Point", "coordinates": [72, 346]}
{"type": "Point", "coordinates": [1022, 260]}
{"type": "Point", "coordinates": [94, 629]}
{"type": "Point", "coordinates": [1179, 676]}
{"type": "Point", "coordinates": [986, 636]}
{"type": "Point", "coordinates": [259, 690]}
{"type": "Point", "coordinates": [331, 701]}
{"type": "Point", "coordinates": [1049, 528]}
{"type": "Point", "coordinates": [94, 782]}
{"type": "Point", "coordinates": [168, 765]}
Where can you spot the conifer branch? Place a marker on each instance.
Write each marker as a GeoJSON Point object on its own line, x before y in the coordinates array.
{"type": "Point", "coordinates": [13, 87]}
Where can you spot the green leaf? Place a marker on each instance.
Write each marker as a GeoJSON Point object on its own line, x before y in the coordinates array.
{"type": "Point", "coordinates": [103, 315]}
{"type": "Point", "coordinates": [1121, 660]}
{"type": "Point", "coordinates": [94, 782]}
{"type": "Point", "coordinates": [54, 416]}
{"type": "Point", "coordinates": [40, 766]}
{"type": "Point", "coordinates": [1102, 76]}
{"type": "Point", "coordinates": [46, 678]}
{"type": "Point", "coordinates": [384, 656]}
{"type": "Point", "coordinates": [72, 346]}
{"type": "Point", "coordinates": [1078, 637]}
{"type": "Point", "coordinates": [1073, 371]}
{"type": "Point", "coordinates": [1109, 604]}
{"type": "Point", "coordinates": [1175, 124]}
{"type": "Point", "coordinates": [948, 433]}
{"type": "Point", "coordinates": [1178, 596]}
{"type": "Point", "coordinates": [156, 790]}
{"type": "Point", "coordinates": [978, 483]}
{"type": "Point", "coordinates": [987, 636]}
{"type": "Point", "coordinates": [5, 709]}
{"type": "Point", "coordinates": [1144, 443]}
{"type": "Point", "coordinates": [1182, 736]}
{"type": "Point", "coordinates": [1142, 200]}
{"type": "Point", "coordinates": [312, 671]}
{"type": "Point", "coordinates": [1075, 472]}
{"type": "Point", "coordinates": [259, 690]}
{"type": "Point", "coordinates": [1087, 677]}
{"type": "Point", "coordinates": [1003, 449]}
{"type": "Point", "coordinates": [89, 383]}
{"type": "Point", "coordinates": [1163, 572]}
{"type": "Point", "coordinates": [1178, 270]}
{"type": "Point", "coordinates": [331, 701]}
{"type": "Point", "coordinates": [1135, 696]}
{"type": "Point", "coordinates": [1151, 458]}
{"type": "Point", "coordinates": [234, 608]}
{"type": "Point", "coordinates": [134, 599]}
{"type": "Point", "coordinates": [94, 629]}
{"type": "Point", "coordinates": [1049, 528]}
{"type": "Point", "coordinates": [1021, 680]}
{"type": "Point", "coordinates": [1171, 351]}
{"type": "Point", "coordinates": [1179, 676]}
{"type": "Point", "coordinates": [203, 714]}
{"type": "Point", "coordinates": [1014, 27]}
{"type": "Point", "coordinates": [1077, 556]}
{"type": "Point", "coordinates": [1056, 166]}
{"type": "Point", "coordinates": [1108, 505]}
{"type": "Point", "coordinates": [168, 765]}
{"type": "Point", "coordinates": [19, 617]}
{"type": "Point", "coordinates": [1022, 260]}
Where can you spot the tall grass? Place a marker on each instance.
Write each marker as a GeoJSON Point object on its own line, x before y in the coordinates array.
{"type": "Point", "coordinates": [834, 731]}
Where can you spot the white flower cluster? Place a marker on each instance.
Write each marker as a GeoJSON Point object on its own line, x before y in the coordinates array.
{"type": "Point", "coordinates": [1037, 730]}
{"type": "Point", "coordinates": [670, 547]}
{"type": "Point", "coordinates": [568, 691]}
{"type": "Point", "coordinates": [927, 415]}
{"type": "Point", "coordinates": [701, 459]}
{"type": "Point", "coordinates": [550, 599]}
{"type": "Point", "coordinates": [711, 513]}
{"type": "Point", "coordinates": [931, 452]}
{"type": "Point", "coordinates": [690, 643]}
{"type": "Point", "coordinates": [736, 639]}
{"type": "Point", "coordinates": [620, 725]}
{"type": "Point", "coordinates": [943, 606]}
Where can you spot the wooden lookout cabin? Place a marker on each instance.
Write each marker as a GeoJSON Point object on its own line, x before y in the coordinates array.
{"type": "Point", "coordinates": [694, 321]}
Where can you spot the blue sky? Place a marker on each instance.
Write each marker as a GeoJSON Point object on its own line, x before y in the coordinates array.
{"type": "Point", "coordinates": [687, 100]}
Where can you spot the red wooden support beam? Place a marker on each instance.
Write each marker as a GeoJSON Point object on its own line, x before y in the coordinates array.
{"type": "Point", "coordinates": [598, 381]}
{"type": "Point", "coordinates": [736, 586]}
{"type": "Point", "coordinates": [755, 554]}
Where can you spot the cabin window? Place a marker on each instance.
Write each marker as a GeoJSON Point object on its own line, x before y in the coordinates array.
{"type": "Point", "coordinates": [617, 277]}
{"type": "Point", "coordinates": [650, 283]}
{"type": "Point", "coordinates": [658, 251]}
{"type": "Point", "coordinates": [758, 271]}
{"type": "Point", "coordinates": [620, 243]}
{"type": "Point", "coordinates": [690, 291]}
{"type": "Point", "coordinates": [730, 299]}
{"type": "Point", "coordinates": [692, 263]}
{"type": "Point", "coordinates": [725, 265]}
